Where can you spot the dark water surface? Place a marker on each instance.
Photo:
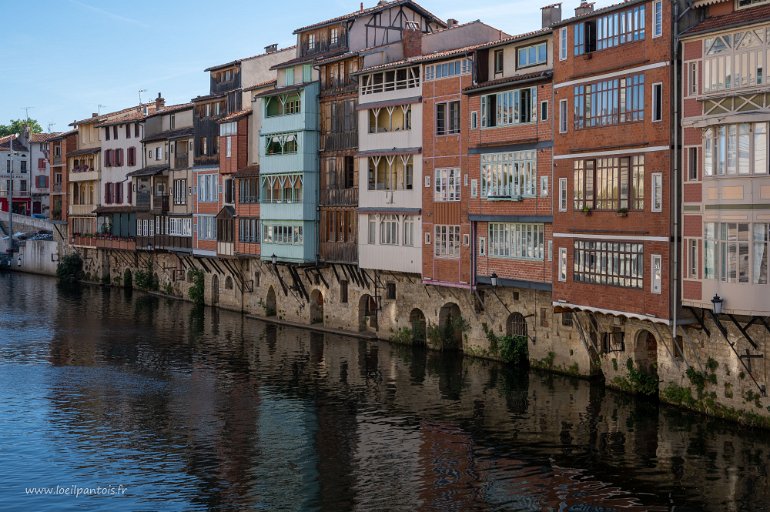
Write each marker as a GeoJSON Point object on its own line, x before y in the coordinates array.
{"type": "Point", "coordinates": [103, 389]}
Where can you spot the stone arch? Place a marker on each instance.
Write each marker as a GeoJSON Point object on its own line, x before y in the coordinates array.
{"type": "Point", "coordinates": [417, 321]}
{"type": "Point", "coordinates": [228, 283]}
{"type": "Point", "coordinates": [646, 351]}
{"type": "Point", "coordinates": [516, 325]}
{"type": "Point", "coordinates": [367, 313]}
{"type": "Point", "coordinates": [215, 290]}
{"type": "Point", "coordinates": [450, 324]}
{"type": "Point", "coordinates": [316, 307]}
{"type": "Point", "coordinates": [270, 303]}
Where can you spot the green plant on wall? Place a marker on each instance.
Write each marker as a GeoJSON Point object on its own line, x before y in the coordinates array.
{"type": "Point", "coordinates": [510, 349]}
{"type": "Point", "coordinates": [70, 268]}
{"type": "Point", "coordinates": [197, 290]}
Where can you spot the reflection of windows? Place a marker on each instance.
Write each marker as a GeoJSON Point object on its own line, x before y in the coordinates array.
{"type": "Point", "coordinates": [282, 234]}
{"type": "Point", "coordinates": [609, 183]}
{"type": "Point", "coordinates": [609, 102]}
{"type": "Point", "coordinates": [735, 149]}
{"type": "Point", "coordinates": [508, 175]}
{"type": "Point", "coordinates": [516, 240]}
{"type": "Point", "coordinates": [249, 190]}
{"type": "Point", "coordinates": [610, 30]}
{"type": "Point", "coordinates": [447, 185]}
{"type": "Point", "coordinates": [448, 69]}
{"type": "Point", "coordinates": [448, 118]}
{"type": "Point", "coordinates": [208, 190]}
{"type": "Point", "coordinates": [735, 60]}
{"type": "Point", "coordinates": [447, 241]}
{"type": "Point", "coordinates": [509, 107]}
{"type": "Point", "coordinates": [392, 172]}
{"type": "Point", "coordinates": [726, 254]}
{"type": "Point", "coordinates": [608, 263]}
{"type": "Point", "coordinates": [281, 144]}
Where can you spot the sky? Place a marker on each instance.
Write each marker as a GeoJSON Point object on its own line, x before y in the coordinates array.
{"type": "Point", "coordinates": [68, 58]}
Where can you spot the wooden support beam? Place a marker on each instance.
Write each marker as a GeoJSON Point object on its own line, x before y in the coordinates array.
{"type": "Point", "coordinates": [718, 323]}
{"type": "Point", "coordinates": [321, 276]}
{"type": "Point", "coordinates": [700, 319]}
{"type": "Point", "coordinates": [336, 275]}
{"type": "Point", "coordinates": [743, 330]}
{"type": "Point", "coordinates": [280, 280]}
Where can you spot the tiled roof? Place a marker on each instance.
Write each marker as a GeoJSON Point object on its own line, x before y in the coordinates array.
{"type": "Point", "coordinates": [309, 58]}
{"type": "Point", "coordinates": [126, 117]}
{"type": "Point", "coordinates": [281, 90]}
{"type": "Point", "coordinates": [261, 85]}
{"type": "Point", "coordinates": [17, 146]}
{"type": "Point", "coordinates": [207, 97]}
{"type": "Point", "coordinates": [609, 8]}
{"type": "Point", "coordinates": [247, 172]}
{"type": "Point", "coordinates": [371, 10]}
{"type": "Point", "coordinates": [42, 137]}
{"type": "Point", "coordinates": [529, 77]}
{"type": "Point", "coordinates": [104, 117]}
{"type": "Point", "coordinates": [170, 134]}
{"type": "Point", "coordinates": [235, 115]}
{"type": "Point", "coordinates": [151, 170]}
{"type": "Point", "coordinates": [238, 61]}
{"type": "Point", "coordinates": [517, 37]}
{"type": "Point", "coordinates": [170, 109]}
{"type": "Point", "coordinates": [428, 57]}
{"type": "Point", "coordinates": [737, 18]}
{"type": "Point", "coordinates": [62, 135]}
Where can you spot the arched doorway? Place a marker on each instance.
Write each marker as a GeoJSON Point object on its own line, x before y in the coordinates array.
{"type": "Point", "coordinates": [316, 307]}
{"type": "Point", "coordinates": [417, 321]}
{"type": "Point", "coordinates": [367, 313]}
{"type": "Point", "coordinates": [516, 325]}
{"type": "Point", "coordinates": [646, 351]}
{"type": "Point", "coordinates": [451, 326]}
{"type": "Point", "coordinates": [270, 305]}
{"type": "Point", "coordinates": [215, 290]}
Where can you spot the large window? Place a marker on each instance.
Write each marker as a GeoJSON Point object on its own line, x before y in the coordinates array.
{"type": "Point", "coordinates": [389, 230]}
{"type": "Point", "coordinates": [736, 252]}
{"type": "Point", "coordinates": [389, 227]}
{"type": "Point", "coordinates": [609, 183]}
{"type": "Point", "coordinates": [736, 60]}
{"type": "Point", "coordinates": [516, 240]}
{"type": "Point", "coordinates": [735, 149]}
{"type": "Point", "coordinates": [609, 263]}
{"type": "Point", "coordinates": [207, 227]}
{"type": "Point", "coordinates": [282, 234]}
{"type": "Point", "coordinates": [208, 188]}
{"type": "Point", "coordinates": [386, 81]}
{"type": "Point", "coordinates": [448, 69]}
{"type": "Point", "coordinates": [447, 118]}
{"type": "Point", "coordinates": [532, 55]}
{"type": "Point", "coordinates": [510, 107]}
{"type": "Point", "coordinates": [282, 188]}
{"type": "Point", "coordinates": [392, 172]}
{"type": "Point", "coordinates": [248, 190]}
{"type": "Point", "coordinates": [609, 30]}
{"type": "Point", "coordinates": [563, 43]}
{"type": "Point", "coordinates": [248, 230]}
{"type": "Point", "coordinates": [446, 241]}
{"type": "Point", "coordinates": [179, 226]}
{"type": "Point", "coordinates": [281, 144]}
{"type": "Point", "coordinates": [508, 175]}
{"type": "Point", "coordinates": [609, 102]}
{"type": "Point", "coordinates": [282, 105]}
{"type": "Point", "coordinates": [447, 185]}
{"type": "Point", "coordinates": [390, 119]}
{"type": "Point", "coordinates": [180, 191]}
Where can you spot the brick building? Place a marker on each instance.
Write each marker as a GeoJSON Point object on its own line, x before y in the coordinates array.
{"type": "Point", "coordinates": [58, 148]}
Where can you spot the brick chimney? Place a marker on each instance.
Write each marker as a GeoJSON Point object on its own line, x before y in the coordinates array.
{"type": "Point", "coordinates": [551, 14]}
{"type": "Point", "coordinates": [584, 8]}
{"type": "Point", "coordinates": [451, 23]}
{"type": "Point", "coordinates": [411, 38]}
{"type": "Point", "coordinates": [160, 102]}
{"type": "Point", "coordinates": [271, 48]}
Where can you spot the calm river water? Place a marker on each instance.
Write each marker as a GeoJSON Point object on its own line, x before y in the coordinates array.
{"type": "Point", "coordinates": [136, 398]}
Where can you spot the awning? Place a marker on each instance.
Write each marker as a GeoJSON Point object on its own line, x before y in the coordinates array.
{"type": "Point", "coordinates": [247, 172]}
{"type": "Point", "coordinates": [227, 212]}
{"type": "Point", "coordinates": [148, 171]}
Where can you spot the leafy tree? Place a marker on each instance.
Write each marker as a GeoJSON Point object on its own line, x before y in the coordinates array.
{"type": "Point", "coordinates": [17, 126]}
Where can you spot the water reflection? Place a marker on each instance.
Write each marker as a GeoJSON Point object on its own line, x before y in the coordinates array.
{"type": "Point", "coordinates": [215, 411]}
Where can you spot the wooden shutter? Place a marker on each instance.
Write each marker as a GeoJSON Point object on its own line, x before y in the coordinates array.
{"type": "Point", "coordinates": [128, 194]}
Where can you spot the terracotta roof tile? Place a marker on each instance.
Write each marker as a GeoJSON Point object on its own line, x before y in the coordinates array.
{"type": "Point", "coordinates": [371, 10]}
{"type": "Point", "coordinates": [261, 85]}
{"type": "Point", "coordinates": [104, 117]}
{"type": "Point", "coordinates": [235, 115]}
{"type": "Point", "coordinates": [734, 19]}
{"type": "Point", "coordinates": [42, 137]}
{"type": "Point", "coordinates": [238, 61]}
{"type": "Point", "coordinates": [170, 109]}
{"type": "Point", "coordinates": [609, 8]}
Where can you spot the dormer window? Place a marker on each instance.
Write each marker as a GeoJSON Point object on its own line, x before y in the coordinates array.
{"type": "Point", "coordinates": [334, 35]}
{"type": "Point", "coordinates": [311, 42]}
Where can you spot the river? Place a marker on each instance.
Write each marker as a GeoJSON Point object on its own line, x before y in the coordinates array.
{"type": "Point", "coordinates": [111, 400]}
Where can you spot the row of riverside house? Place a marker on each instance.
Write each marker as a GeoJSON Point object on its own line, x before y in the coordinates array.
{"type": "Point", "coordinates": [434, 182]}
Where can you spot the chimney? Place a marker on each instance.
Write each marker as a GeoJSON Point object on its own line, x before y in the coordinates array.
{"type": "Point", "coordinates": [271, 48]}
{"type": "Point", "coordinates": [551, 14]}
{"type": "Point", "coordinates": [411, 39]}
{"type": "Point", "coordinates": [584, 8]}
{"type": "Point", "coordinates": [160, 102]}
{"type": "Point", "coordinates": [362, 6]}
{"type": "Point", "coordinates": [451, 23]}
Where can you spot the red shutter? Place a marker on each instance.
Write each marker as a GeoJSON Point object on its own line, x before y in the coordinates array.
{"type": "Point", "coordinates": [128, 195]}
{"type": "Point", "coordinates": [136, 130]}
{"type": "Point", "coordinates": [131, 157]}
{"type": "Point", "coordinates": [119, 157]}
{"type": "Point", "coordinates": [107, 158]}
{"type": "Point", "coordinates": [128, 130]}
{"type": "Point", "coordinates": [107, 193]}
{"type": "Point", "coordinates": [119, 193]}
{"type": "Point", "coordinates": [41, 163]}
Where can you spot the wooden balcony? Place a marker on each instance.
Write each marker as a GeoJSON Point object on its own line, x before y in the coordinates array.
{"type": "Point", "coordinates": [160, 203]}
{"type": "Point", "coordinates": [165, 243]}
{"type": "Point", "coordinates": [323, 46]}
{"type": "Point", "coordinates": [339, 197]}
{"type": "Point", "coordinates": [115, 242]}
{"type": "Point", "coordinates": [338, 141]}
{"type": "Point", "coordinates": [339, 252]}
{"type": "Point", "coordinates": [181, 161]}
{"type": "Point", "coordinates": [57, 160]}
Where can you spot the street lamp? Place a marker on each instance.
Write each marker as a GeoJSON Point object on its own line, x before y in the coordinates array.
{"type": "Point", "coordinates": [494, 279]}
{"type": "Point", "coordinates": [717, 301]}
{"type": "Point", "coordinates": [149, 247]}
{"type": "Point", "coordinates": [274, 259]}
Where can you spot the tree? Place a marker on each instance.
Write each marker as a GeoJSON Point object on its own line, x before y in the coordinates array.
{"type": "Point", "coordinates": [17, 126]}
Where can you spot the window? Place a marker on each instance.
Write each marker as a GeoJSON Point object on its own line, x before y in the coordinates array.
{"type": "Point", "coordinates": [390, 291]}
{"type": "Point", "coordinates": [656, 278]}
{"type": "Point", "coordinates": [692, 164]}
{"type": "Point", "coordinates": [229, 186]}
{"type": "Point", "coordinates": [136, 130]}
{"type": "Point", "coordinates": [229, 147]}
{"type": "Point", "coordinates": [550, 250]}
{"type": "Point", "coordinates": [179, 226]}
{"type": "Point", "coordinates": [281, 105]}
{"type": "Point", "coordinates": [282, 234]}
{"type": "Point", "coordinates": [159, 153]}
{"type": "Point", "coordinates": [692, 78]}
{"type": "Point", "coordinates": [562, 116]}
{"type": "Point", "coordinates": [563, 43]}
{"type": "Point", "coordinates": [498, 61]}
{"type": "Point", "coordinates": [657, 192]}
{"type": "Point", "coordinates": [609, 183]}
{"type": "Point", "coordinates": [508, 108]}
{"type": "Point", "coordinates": [562, 194]}
{"type": "Point", "coordinates": [735, 60]}
{"type": "Point", "coordinates": [657, 102]}
{"type": "Point", "coordinates": [281, 144]}
{"type": "Point", "coordinates": [207, 227]}
{"type": "Point", "coordinates": [474, 120]}
{"type": "Point", "coordinates": [543, 186]}
{"type": "Point", "coordinates": [692, 259]}
{"type": "Point", "coordinates": [107, 133]}
{"type": "Point", "coordinates": [392, 172]}
{"type": "Point", "coordinates": [248, 190]}
{"type": "Point", "coordinates": [389, 230]}
{"type": "Point", "coordinates": [448, 69]}
{"type": "Point", "coordinates": [516, 240]}
{"type": "Point", "coordinates": [289, 76]}
{"type": "Point", "coordinates": [562, 264]}
{"type": "Point", "coordinates": [128, 131]}
{"type": "Point", "coordinates": [132, 156]}
{"type": "Point", "coordinates": [508, 175]}
{"type": "Point", "coordinates": [447, 241]}
{"type": "Point", "coordinates": [107, 158]}
{"type": "Point", "coordinates": [180, 191]}
{"type": "Point", "coordinates": [611, 30]}
{"type": "Point", "coordinates": [372, 230]}
{"type": "Point", "coordinates": [392, 80]}
{"type": "Point", "coordinates": [389, 119]}
{"type": "Point", "coordinates": [248, 230]}
{"type": "Point", "coordinates": [735, 149]}
{"type": "Point", "coordinates": [532, 55]}
{"type": "Point", "coordinates": [566, 318]}
{"type": "Point", "coordinates": [447, 185]}
{"type": "Point", "coordinates": [448, 118]}
{"type": "Point", "coordinates": [307, 73]}
{"type": "Point", "coordinates": [657, 18]}
{"type": "Point", "coordinates": [409, 231]}
{"type": "Point", "coordinates": [609, 102]}
{"type": "Point", "coordinates": [115, 132]}
{"type": "Point", "coordinates": [334, 35]}
{"type": "Point", "coordinates": [474, 188]}
{"type": "Point", "coordinates": [544, 111]}
{"type": "Point", "coordinates": [609, 263]}
{"type": "Point", "coordinates": [311, 41]}
{"type": "Point", "coordinates": [282, 188]}
{"type": "Point", "coordinates": [726, 254]}
{"type": "Point", "coordinates": [208, 188]}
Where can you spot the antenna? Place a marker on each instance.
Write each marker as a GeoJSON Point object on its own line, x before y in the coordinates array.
{"type": "Point", "coordinates": [99, 108]}
{"type": "Point", "coordinates": [26, 110]}
{"type": "Point", "coordinates": [140, 95]}
{"type": "Point", "coordinates": [48, 128]}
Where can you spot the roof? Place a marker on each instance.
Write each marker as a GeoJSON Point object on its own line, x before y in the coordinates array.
{"type": "Point", "coordinates": [227, 212]}
{"type": "Point", "coordinates": [518, 79]}
{"type": "Point", "coordinates": [235, 115]}
{"type": "Point", "coordinates": [87, 151]}
{"type": "Point", "coordinates": [170, 134]}
{"type": "Point", "coordinates": [428, 57]}
{"type": "Point", "coordinates": [609, 8]}
{"type": "Point", "coordinates": [62, 135]}
{"type": "Point", "coordinates": [281, 90]}
{"type": "Point", "coordinates": [42, 137]}
{"type": "Point", "coordinates": [261, 85]}
{"type": "Point", "coordinates": [238, 61]}
{"type": "Point", "coordinates": [17, 145]}
{"type": "Point", "coordinates": [171, 109]}
{"type": "Point", "coordinates": [517, 37]}
{"type": "Point", "coordinates": [371, 10]}
{"type": "Point", "coordinates": [207, 97]}
{"type": "Point", "coordinates": [742, 17]}
{"type": "Point", "coordinates": [151, 170]}
{"type": "Point", "coordinates": [104, 117]}
{"type": "Point", "coordinates": [310, 58]}
{"type": "Point", "coordinates": [126, 117]}
{"type": "Point", "coordinates": [247, 172]}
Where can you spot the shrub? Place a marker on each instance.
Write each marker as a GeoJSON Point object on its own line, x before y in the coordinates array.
{"type": "Point", "coordinates": [70, 268]}
{"type": "Point", "coordinates": [197, 290]}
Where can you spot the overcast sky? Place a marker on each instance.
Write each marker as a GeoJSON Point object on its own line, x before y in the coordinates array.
{"type": "Point", "coordinates": [64, 58]}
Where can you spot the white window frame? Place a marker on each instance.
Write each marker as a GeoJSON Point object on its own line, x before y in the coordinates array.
{"type": "Point", "coordinates": [474, 188]}
{"type": "Point", "coordinates": [692, 79]}
{"type": "Point", "coordinates": [371, 230]}
{"type": "Point", "coordinates": [656, 198]}
{"type": "Point", "coordinates": [482, 246]}
{"type": "Point", "coordinates": [544, 110]}
{"type": "Point", "coordinates": [543, 186]}
{"type": "Point", "coordinates": [656, 281]}
{"type": "Point", "coordinates": [692, 258]}
{"type": "Point", "coordinates": [657, 91]}
{"type": "Point", "coordinates": [474, 120]}
{"type": "Point", "coordinates": [657, 7]}
{"type": "Point", "coordinates": [563, 41]}
{"type": "Point", "coordinates": [562, 270]}
{"type": "Point", "coordinates": [550, 250]}
{"type": "Point", "coordinates": [229, 147]}
{"type": "Point", "coordinates": [563, 121]}
{"type": "Point", "coordinates": [447, 185]}
{"type": "Point", "coordinates": [409, 231]}
{"type": "Point", "coordinates": [563, 200]}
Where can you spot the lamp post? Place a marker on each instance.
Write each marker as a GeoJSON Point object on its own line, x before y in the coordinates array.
{"type": "Point", "coordinates": [274, 259]}
{"type": "Point", "coordinates": [493, 278]}
{"type": "Point", "coordinates": [717, 301]}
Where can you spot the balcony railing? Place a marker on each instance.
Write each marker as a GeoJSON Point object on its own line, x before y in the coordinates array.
{"type": "Point", "coordinates": [206, 160]}
{"type": "Point", "coordinates": [339, 141]}
{"type": "Point", "coordinates": [323, 46]}
{"type": "Point", "coordinates": [143, 200]}
{"type": "Point", "coordinates": [164, 242]}
{"type": "Point", "coordinates": [160, 203]}
{"type": "Point", "coordinates": [17, 194]}
{"type": "Point", "coordinates": [339, 197]}
{"type": "Point", "coordinates": [181, 161]}
{"type": "Point", "coordinates": [57, 160]}
{"type": "Point", "coordinates": [341, 252]}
